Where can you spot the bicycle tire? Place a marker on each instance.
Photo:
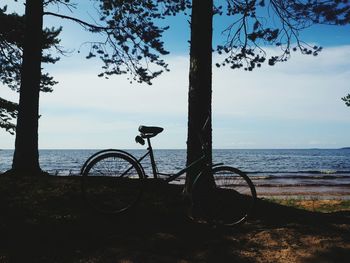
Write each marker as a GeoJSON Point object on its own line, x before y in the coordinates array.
{"type": "Point", "coordinates": [105, 151]}
{"type": "Point", "coordinates": [112, 183]}
{"type": "Point", "coordinates": [227, 202]}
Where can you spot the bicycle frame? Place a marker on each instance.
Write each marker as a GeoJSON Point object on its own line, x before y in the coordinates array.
{"type": "Point", "coordinates": [171, 177]}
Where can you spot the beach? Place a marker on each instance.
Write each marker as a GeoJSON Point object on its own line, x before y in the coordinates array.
{"type": "Point", "coordinates": [305, 192]}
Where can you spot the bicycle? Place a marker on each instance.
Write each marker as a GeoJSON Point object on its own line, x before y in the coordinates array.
{"type": "Point", "coordinates": [112, 183]}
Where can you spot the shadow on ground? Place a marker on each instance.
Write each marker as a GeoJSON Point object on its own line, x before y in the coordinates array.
{"type": "Point", "coordinates": [46, 220]}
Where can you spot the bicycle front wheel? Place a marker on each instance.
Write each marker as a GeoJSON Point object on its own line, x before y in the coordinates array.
{"type": "Point", "coordinates": [112, 183]}
{"type": "Point", "coordinates": [229, 201]}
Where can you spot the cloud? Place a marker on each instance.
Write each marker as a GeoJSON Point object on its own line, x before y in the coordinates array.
{"type": "Point", "coordinates": [83, 89]}
{"type": "Point", "coordinates": [305, 87]}
{"type": "Point", "coordinates": [85, 111]}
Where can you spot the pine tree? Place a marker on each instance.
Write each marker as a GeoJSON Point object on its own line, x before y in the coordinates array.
{"type": "Point", "coordinates": [256, 24]}
{"type": "Point", "coordinates": [11, 49]}
{"type": "Point", "coordinates": [132, 43]}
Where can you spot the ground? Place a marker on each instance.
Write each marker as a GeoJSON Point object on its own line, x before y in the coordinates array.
{"type": "Point", "coordinates": [46, 220]}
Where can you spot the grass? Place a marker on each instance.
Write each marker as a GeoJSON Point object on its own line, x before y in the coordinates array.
{"type": "Point", "coordinates": [314, 204]}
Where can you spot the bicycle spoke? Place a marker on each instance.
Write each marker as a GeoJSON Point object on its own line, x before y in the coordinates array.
{"type": "Point", "coordinates": [111, 183]}
{"type": "Point", "coordinates": [229, 202]}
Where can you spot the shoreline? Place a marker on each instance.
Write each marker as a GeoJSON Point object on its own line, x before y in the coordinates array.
{"type": "Point", "coordinates": [276, 191]}
{"type": "Point", "coordinates": [304, 192]}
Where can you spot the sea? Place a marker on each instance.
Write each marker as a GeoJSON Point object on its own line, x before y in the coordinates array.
{"type": "Point", "coordinates": [285, 169]}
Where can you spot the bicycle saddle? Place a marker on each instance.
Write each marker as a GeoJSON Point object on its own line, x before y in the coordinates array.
{"type": "Point", "coordinates": [149, 131]}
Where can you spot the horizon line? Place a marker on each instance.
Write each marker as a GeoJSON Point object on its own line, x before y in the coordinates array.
{"type": "Point", "coordinates": [99, 149]}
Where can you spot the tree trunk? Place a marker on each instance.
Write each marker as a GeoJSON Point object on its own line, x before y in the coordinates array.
{"type": "Point", "coordinates": [200, 83]}
{"type": "Point", "coordinates": [26, 156]}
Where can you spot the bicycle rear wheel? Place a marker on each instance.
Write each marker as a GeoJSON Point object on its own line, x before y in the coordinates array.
{"type": "Point", "coordinates": [112, 183]}
{"type": "Point", "coordinates": [229, 201]}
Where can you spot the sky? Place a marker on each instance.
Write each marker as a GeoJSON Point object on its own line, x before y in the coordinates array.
{"type": "Point", "coordinates": [296, 104]}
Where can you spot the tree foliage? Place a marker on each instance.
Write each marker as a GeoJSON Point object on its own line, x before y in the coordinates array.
{"type": "Point", "coordinates": [258, 23]}
{"type": "Point", "coordinates": [11, 50]}
{"type": "Point", "coordinates": [132, 26]}
{"type": "Point", "coordinates": [131, 36]}
{"type": "Point", "coordinates": [11, 47]}
{"type": "Point", "coordinates": [346, 99]}
{"type": "Point", "coordinates": [8, 112]}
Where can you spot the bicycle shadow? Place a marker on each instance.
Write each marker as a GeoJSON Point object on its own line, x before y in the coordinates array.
{"type": "Point", "coordinates": [161, 233]}
{"type": "Point", "coordinates": [49, 222]}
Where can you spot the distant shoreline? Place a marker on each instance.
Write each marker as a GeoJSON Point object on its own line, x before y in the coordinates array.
{"type": "Point", "coordinates": [184, 149]}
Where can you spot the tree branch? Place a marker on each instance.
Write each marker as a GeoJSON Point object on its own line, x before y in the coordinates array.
{"type": "Point", "coordinates": [79, 21]}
